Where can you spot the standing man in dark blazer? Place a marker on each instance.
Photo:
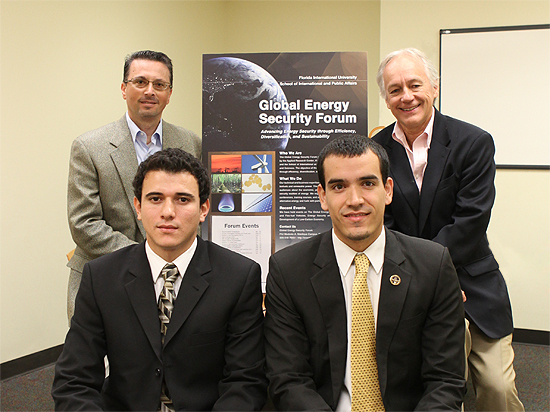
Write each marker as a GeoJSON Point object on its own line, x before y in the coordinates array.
{"type": "Point", "coordinates": [211, 355]}
{"type": "Point", "coordinates": [443, 171]}
{"type": "Point", "coordinates": [414, 293]}
{"type": "Point", "coordinates": [104, 161]}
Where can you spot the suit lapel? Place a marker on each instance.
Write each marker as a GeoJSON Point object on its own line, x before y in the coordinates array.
{"type": "Point", "coordinates": [125, 161]}
{"type": "Point", "coordinates": [141, 292]}
{"type": "Point", "coordinates": [325, 282]}
{"type": "Point", "coordinates": [403, 177]}
{"type": "Point", "coordinates": [390, 306]}
{"type": "Point", "coordinates": [437, 158]}
{"type": "Point", "coordinates": [169, 138]}
{"type": "Point", "coordinates": [191, 290]}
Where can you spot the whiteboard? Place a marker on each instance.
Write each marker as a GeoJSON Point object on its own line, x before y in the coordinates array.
{"type": "Point", "coordinates": [499, 79]}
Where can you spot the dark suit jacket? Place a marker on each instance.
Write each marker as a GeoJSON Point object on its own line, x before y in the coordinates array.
{"type": "Point", "coordinates": [213, 355]}
{"type": "Point", "coordinates": [419, 337]}
{"type": "Point", "coordinates": [454, 209]}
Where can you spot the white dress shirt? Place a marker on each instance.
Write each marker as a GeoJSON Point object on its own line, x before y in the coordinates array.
{"type": "Point", "coordinates": [157, 263]}
{"type": "Point", "coordinates": [345, 258]}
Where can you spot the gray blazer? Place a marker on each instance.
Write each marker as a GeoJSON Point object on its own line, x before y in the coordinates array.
{"type": "Point", "coordinates": [100, 196]}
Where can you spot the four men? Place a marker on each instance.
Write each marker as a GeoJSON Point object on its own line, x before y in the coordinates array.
{"type": "Point", "coordinates": [180, 318]}
{"type": "Point", "coordinates": [103, 163]}
{"type": "Point", "coordinates": [444, 172]}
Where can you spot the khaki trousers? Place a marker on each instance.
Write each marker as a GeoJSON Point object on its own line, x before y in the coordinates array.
{"type": "Point", "coordinates": [490, 364]}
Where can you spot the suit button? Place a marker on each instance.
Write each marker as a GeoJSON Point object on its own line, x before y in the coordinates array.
{"type": "Point", "coordinates": [158, 372]}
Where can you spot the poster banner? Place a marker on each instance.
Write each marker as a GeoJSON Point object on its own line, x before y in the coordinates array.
{"type": "Point", "coordinates": [266, 116]}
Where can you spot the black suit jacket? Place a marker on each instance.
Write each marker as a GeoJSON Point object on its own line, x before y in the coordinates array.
{"type": "Point", "coordinates": [419, 337]}
{"type": "Point", "coordinates": [454, 209]}
{"type": "Point", "coordinates": [212, 358]}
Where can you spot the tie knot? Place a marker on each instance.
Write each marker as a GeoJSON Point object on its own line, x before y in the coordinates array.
{"type": "Point", "coordinates": [361, 263]}
{"type": "Point", "coordinates": [169, 272]}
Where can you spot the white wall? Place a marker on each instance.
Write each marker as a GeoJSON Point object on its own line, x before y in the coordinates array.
{"type": "Point", "coordinates": [519, 231]}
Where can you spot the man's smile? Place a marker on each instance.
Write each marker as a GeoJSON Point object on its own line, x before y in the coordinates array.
{"type": "Point", "coordinates": [356, 216]}
{"type": "Point", "coordinates": [410, 109]}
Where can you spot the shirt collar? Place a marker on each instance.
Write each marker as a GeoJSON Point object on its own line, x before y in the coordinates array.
{"type": "Point", "coordinates": [157, 263]}
{"type": "Point", "coordinates": [345, 254]}
{"type": "Point", "coordinates": [399, 135]}
{"type": "Point", "coordinates": [134, 130]}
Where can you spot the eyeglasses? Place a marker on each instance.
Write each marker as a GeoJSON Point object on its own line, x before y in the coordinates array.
{"type": "Point", "coordinates": [142, 83]}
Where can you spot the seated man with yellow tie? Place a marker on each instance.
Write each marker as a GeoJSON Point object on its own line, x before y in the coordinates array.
{"type": "Point", "coordinates": [180, 319]}
{"type": "Point", "coordinates": [362, 318]}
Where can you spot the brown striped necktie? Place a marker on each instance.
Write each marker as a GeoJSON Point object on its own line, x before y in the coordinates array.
{"type": "Point", "coordinates": [166, 305]}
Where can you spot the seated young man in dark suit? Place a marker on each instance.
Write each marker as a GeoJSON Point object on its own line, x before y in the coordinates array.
{"type": "Point", "coordinates": [180, 319]}
{"type": "Point", "coordinates": [323, 334]}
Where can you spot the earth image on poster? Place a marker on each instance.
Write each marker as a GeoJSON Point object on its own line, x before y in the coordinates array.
{"type": "Point", "coordinates": [232, 91]}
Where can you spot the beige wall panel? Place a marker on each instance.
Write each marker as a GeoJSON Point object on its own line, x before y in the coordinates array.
{"type": "Point", "coordinates": [519, 234]}
{"type": "Point", "coordinates": [61, 64]}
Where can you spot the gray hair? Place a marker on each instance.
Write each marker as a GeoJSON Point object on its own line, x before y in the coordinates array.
{"type": "Point", "coordinates": [429, 67]}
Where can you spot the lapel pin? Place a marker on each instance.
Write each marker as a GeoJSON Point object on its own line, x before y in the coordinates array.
{"type": "Point", "coordinates": [395, 280]}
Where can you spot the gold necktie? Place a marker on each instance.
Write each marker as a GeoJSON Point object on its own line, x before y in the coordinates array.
{"type": "Point", "coordinates": [365, 388]}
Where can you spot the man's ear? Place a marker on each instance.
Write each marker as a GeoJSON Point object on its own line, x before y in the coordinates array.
{"type": "Point", "coordinates": [205, 207]}
{"type": "Point", "coordinates": [137, 205]}
{"type": "Point", "coordinates": [322, 197]}
{"type": "Point", "coordinates": [389, 190]}
{"type": "Point", "coordinates": [123, 89]}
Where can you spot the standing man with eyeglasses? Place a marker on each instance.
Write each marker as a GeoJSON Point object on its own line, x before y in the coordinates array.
{"type": "Point", "coordinates": [104, 161]}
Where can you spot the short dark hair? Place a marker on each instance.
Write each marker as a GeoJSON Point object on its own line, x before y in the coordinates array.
{"type": "Point", "coordinates": [352, 145]}
{"type": "Point", "coordinates": [147, 55]}
{"type": "Point", "coordinates": [173, 160]}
